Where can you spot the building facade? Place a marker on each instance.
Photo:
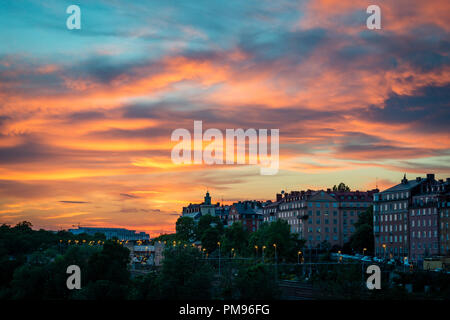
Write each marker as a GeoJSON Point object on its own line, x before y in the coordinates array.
{"type": "Point", "coordinates": [407, 219]}
{"type": "Point", "coordinates": [195, 211]}
{"type": "Point", "coordinates": [270, 210]}
{"type": "Point", "coordinates": [443, 211]}
{"type": "Point", "coordinates": [324, 216]}
{"type": "Point", "coordinates": [249, 213]}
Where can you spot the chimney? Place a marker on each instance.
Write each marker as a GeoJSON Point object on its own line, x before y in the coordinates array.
{"type": "Point", "coordinates": [430, 176]}
{"type": "Point", "coordinates": [279, 196]}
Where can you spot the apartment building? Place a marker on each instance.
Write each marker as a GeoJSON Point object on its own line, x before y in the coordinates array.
{"type": "Point", "coordinates": [324, 216]}
{"type": "Point", "coordinates": [407, 219]}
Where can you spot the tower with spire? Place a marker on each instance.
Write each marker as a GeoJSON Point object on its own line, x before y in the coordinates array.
{"type": "Point", "coordinates": [207, 198]}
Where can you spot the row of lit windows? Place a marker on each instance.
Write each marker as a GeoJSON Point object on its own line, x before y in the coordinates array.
{"type": "Point", "coordinates": [424, 223]}
{"type": "Point", "coordinates": [392, 228]}
{"type": "Point", "coordinates": [391, 196]}
{"type": "Point", "coordinates": [391, 217]}
{"type": "Point", "coordinates": [423, 234]}
{"type": "Point", "coordinates": [394, 206]}
{"type": "Point", "coordinates": [422, 211]}
{"type": "Point", "coordinates": [296, 205]}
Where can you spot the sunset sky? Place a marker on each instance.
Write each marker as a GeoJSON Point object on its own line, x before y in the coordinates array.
{"type": "Point", "coordinates": [86, 115]}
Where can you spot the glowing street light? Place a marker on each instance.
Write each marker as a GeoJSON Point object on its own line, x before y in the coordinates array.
{"type": "Point", "coordinates": [263, 247]}
{"type": "Point", "coordinates": [218, 243]}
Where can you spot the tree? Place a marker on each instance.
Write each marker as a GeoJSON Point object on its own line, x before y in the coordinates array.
{"type": "Point", "coordinates": [109, 264]}
{"type": "Point", "coordinates": [23, 226]}
{"type": "Point", "coordinates": [235, 237]}
{"type": "Point", "coordinates": [185, 229]}
{"type": "Point", "coordinates": [168, 238]}
{"type": "Point", "coordinates": [279, 233]}
{"type": "Point", "coordinates": [256, 282]}
{"type": "Point", "coordinates": [209, 239]}
{"type": "Point", "coordinates": [363, 235]}
{"type": "Point", "coordinates": [206, 222]}
{"type": "Point", "coordinates": [185, 275]}
{"type": "Point", "coordinates": [209, 230]}
{"type": "Point", "coordinates": [341, 187]}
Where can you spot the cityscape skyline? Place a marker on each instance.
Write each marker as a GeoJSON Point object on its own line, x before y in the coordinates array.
{"type": "Point", "coordinates": [275, 200]}
{"type": "Point", "coordinates": [86, 115]}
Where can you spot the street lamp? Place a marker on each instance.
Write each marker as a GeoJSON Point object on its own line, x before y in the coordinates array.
{"type": "Point", "coordinates": [364, 250]}
{"type": "Point", "coordinates": [298, 257]}
{"type": "Point", "coordinates": [276, 261]}
{"type": "Point", "coordinates": [232, 252]}
{"type": "Point", "coordinates": [263, 247]}
{"type": "Point", "coordinates": [218, 243]}
{"type": "Point", "coordinates": [384, 247]}
{"type": "Point", "coordinates": [256, 249]}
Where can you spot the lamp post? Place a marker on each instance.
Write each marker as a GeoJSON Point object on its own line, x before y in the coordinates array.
{"type": "Point", "coordinates": [364, 250]}
{"type": "Point", "coordinates": [232, 252]}
{"type": "Point", "coordinates": [256, 249]}
{"type": "Point", "coordinates": [218, 243]}
{"type": "Point", "coordinates": [276, 261]}
{"type": "Point", "coordinates": [298, 257]}
{"type": "Point", "coordinates": [384, 247]}
{"type": "Point", "coordinates": [263, 247]}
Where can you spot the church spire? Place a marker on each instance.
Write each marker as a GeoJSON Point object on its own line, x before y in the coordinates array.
{"type": "Point", "coordinates": [404, 180]}
{"type": "Point", "coordinates": [207, 198]}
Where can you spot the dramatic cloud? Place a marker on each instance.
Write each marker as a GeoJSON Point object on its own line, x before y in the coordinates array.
{"type": "Point", "coordinates": [87, 115]}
